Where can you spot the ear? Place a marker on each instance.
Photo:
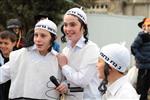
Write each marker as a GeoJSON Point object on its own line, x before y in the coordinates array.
{"type": "Point", "coordinates": [82, 30]}
{"type": "Point", "coordinates": [14, 44]}
{"type": "Point", "coordinates": [110, 68]}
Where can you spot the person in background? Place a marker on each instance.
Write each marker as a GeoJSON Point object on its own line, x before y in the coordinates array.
{"type": "Point", "coordinates": [1, 28]}
{"type": "Point", "coordinates": [30, 68]}
{"type": "Point", "coordinates": [113, 61]}
{"type": "Point", "coordinates": [16, 26]}
{"type": "Point", "coordinates": [41, 15]}
{"type": "Point", "coordinates": [140, 48]}
{"type": "Point", "coordinates": [79, 57]}
{"type": "Point", "coordinates": [7, 45]}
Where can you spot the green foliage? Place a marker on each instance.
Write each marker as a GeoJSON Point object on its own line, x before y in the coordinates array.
{"type": "Point", "coordinates": [25, 10]}
{"type": "Point", "coordinates": [85, 3]}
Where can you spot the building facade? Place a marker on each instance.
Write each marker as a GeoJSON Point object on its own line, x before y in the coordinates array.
{"type": "Point", "coordinates": [123, 7]}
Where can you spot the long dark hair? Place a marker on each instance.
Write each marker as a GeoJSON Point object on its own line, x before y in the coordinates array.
{"type": "Point", "coordinates": [85, 34]}
{"type": "Point", "coordinates": [103, 86]}
{"type": "Point", "coordinates": [29, 40]}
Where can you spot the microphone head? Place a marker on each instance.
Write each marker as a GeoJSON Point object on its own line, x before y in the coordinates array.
{"type": "Point", "coordinates": [54, 81]}
{"type": "Point", "coordinates": [52, 78]}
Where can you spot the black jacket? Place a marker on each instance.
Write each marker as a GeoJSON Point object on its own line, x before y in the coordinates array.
{"type": "Point", "coordinates": [140, 48]}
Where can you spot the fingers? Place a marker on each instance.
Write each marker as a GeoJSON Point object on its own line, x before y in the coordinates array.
{"type": "Point", "coordinates": [61, 56]}
{"type": "Point", "coordinates": [62, 59]}
{"type": "Point", "coordinates": [62, 88]}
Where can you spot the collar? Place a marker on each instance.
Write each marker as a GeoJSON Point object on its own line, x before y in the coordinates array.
{"type": "Point", "coordinates": [80, 44]}
{"type": "Point", "coordinates": [114, 87]}
{"type": "Point", "coordinates": [33, 48]}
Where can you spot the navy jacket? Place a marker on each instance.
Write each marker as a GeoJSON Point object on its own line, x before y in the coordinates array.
{"type": "Point", "coordinates": [140, 48]}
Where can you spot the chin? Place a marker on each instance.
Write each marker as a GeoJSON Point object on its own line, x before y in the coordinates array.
{"type": "Point", "coordinates": [100, 76]}
{"type": "Point", "coordinates": [40, 49]}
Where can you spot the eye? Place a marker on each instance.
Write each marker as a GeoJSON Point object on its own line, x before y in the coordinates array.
{"type": "Point", "coordinates": [6, 43]}
{"type": "Point", "coordinates": [65, 24]}
{"type": "Point", "coordinates": [35, 35]}
{"type": "Point", "coordinates": [72, 24]}
{"type": "Point", "coordinates": [148, 25]}
{"type": "Point", "coordinates": [43, 35]}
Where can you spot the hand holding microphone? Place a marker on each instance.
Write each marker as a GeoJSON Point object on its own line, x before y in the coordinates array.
{"type": "Point", "coordinates": [59, 87]}
{"type": "Point", "coordinates": [62, 88]}
{"type": "Point", "coordinates": [54, 81]}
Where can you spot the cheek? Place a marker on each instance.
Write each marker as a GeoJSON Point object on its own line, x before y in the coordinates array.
{"type": "Point", "coordinates": [100, 69]}
{"type": "Point", "coordinates": [47, 41]}
{"type": "Point", "coordinates": [64, 29]}
{"type": "Point", "coordinates": [98, 66]}
{"type": "Point", "coordinates": [34, 38]}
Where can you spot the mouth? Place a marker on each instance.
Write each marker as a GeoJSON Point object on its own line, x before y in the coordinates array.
{"type": "Point", "coordinates": [39, 45]}
{"type": "Point", "coordinates": [3, 49]}
{"type": "Point", "coordinates": [69, 35]}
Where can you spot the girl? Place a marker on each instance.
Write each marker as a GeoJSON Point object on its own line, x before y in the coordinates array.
{"type": "Point", "coordinates": [30, 68]}
{"type": "Point", "coordinates": [78, 61]}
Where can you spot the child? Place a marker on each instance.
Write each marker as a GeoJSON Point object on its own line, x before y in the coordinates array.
{"type": "Point", "coordinates": [7, 45]}
{"type": "Point", "coordinates": [78, 61]}
{"type": "Point", "coordinates": [113, 62]}
{"type": "Point", "coordinates": [29, 68]}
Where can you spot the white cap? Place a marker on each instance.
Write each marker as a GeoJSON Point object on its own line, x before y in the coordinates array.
{"type": "Point", "coordinates": [116, 55]}
{"type": "Point", "coordinates": [47, 25]}
{"type": "Point", "coordinates": [79, 13]}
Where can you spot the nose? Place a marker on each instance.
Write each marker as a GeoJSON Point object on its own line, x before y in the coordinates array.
{"type": "Point", "coordinates": [37, 38]}
{"type": "Point", "coordinates": [97, 65]}
{"type": "Point", "coordinates": [67, 29]}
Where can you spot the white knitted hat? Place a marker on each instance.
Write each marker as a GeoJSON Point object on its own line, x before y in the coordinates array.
{"type": "Point", "coordinates": [47, 25]}
{"type": "Point", "coordinates": [116, 55]}
{"type": "Point", "coordinates": [79, 13]}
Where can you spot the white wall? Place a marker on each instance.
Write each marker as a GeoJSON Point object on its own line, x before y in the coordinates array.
{"type": "Point", "coordinates": [105, 29]}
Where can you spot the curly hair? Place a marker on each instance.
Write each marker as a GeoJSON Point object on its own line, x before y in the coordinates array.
{"type": "Point", "coordinates": [103, 86]}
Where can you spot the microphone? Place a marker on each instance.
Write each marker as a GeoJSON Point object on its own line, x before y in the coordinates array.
{"type": "Point", "coordinates": [72, 89]}
{"type": "Point", "coordinates": [76, 89]}
{"type": "Point", "coordinates": [54, 81]}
